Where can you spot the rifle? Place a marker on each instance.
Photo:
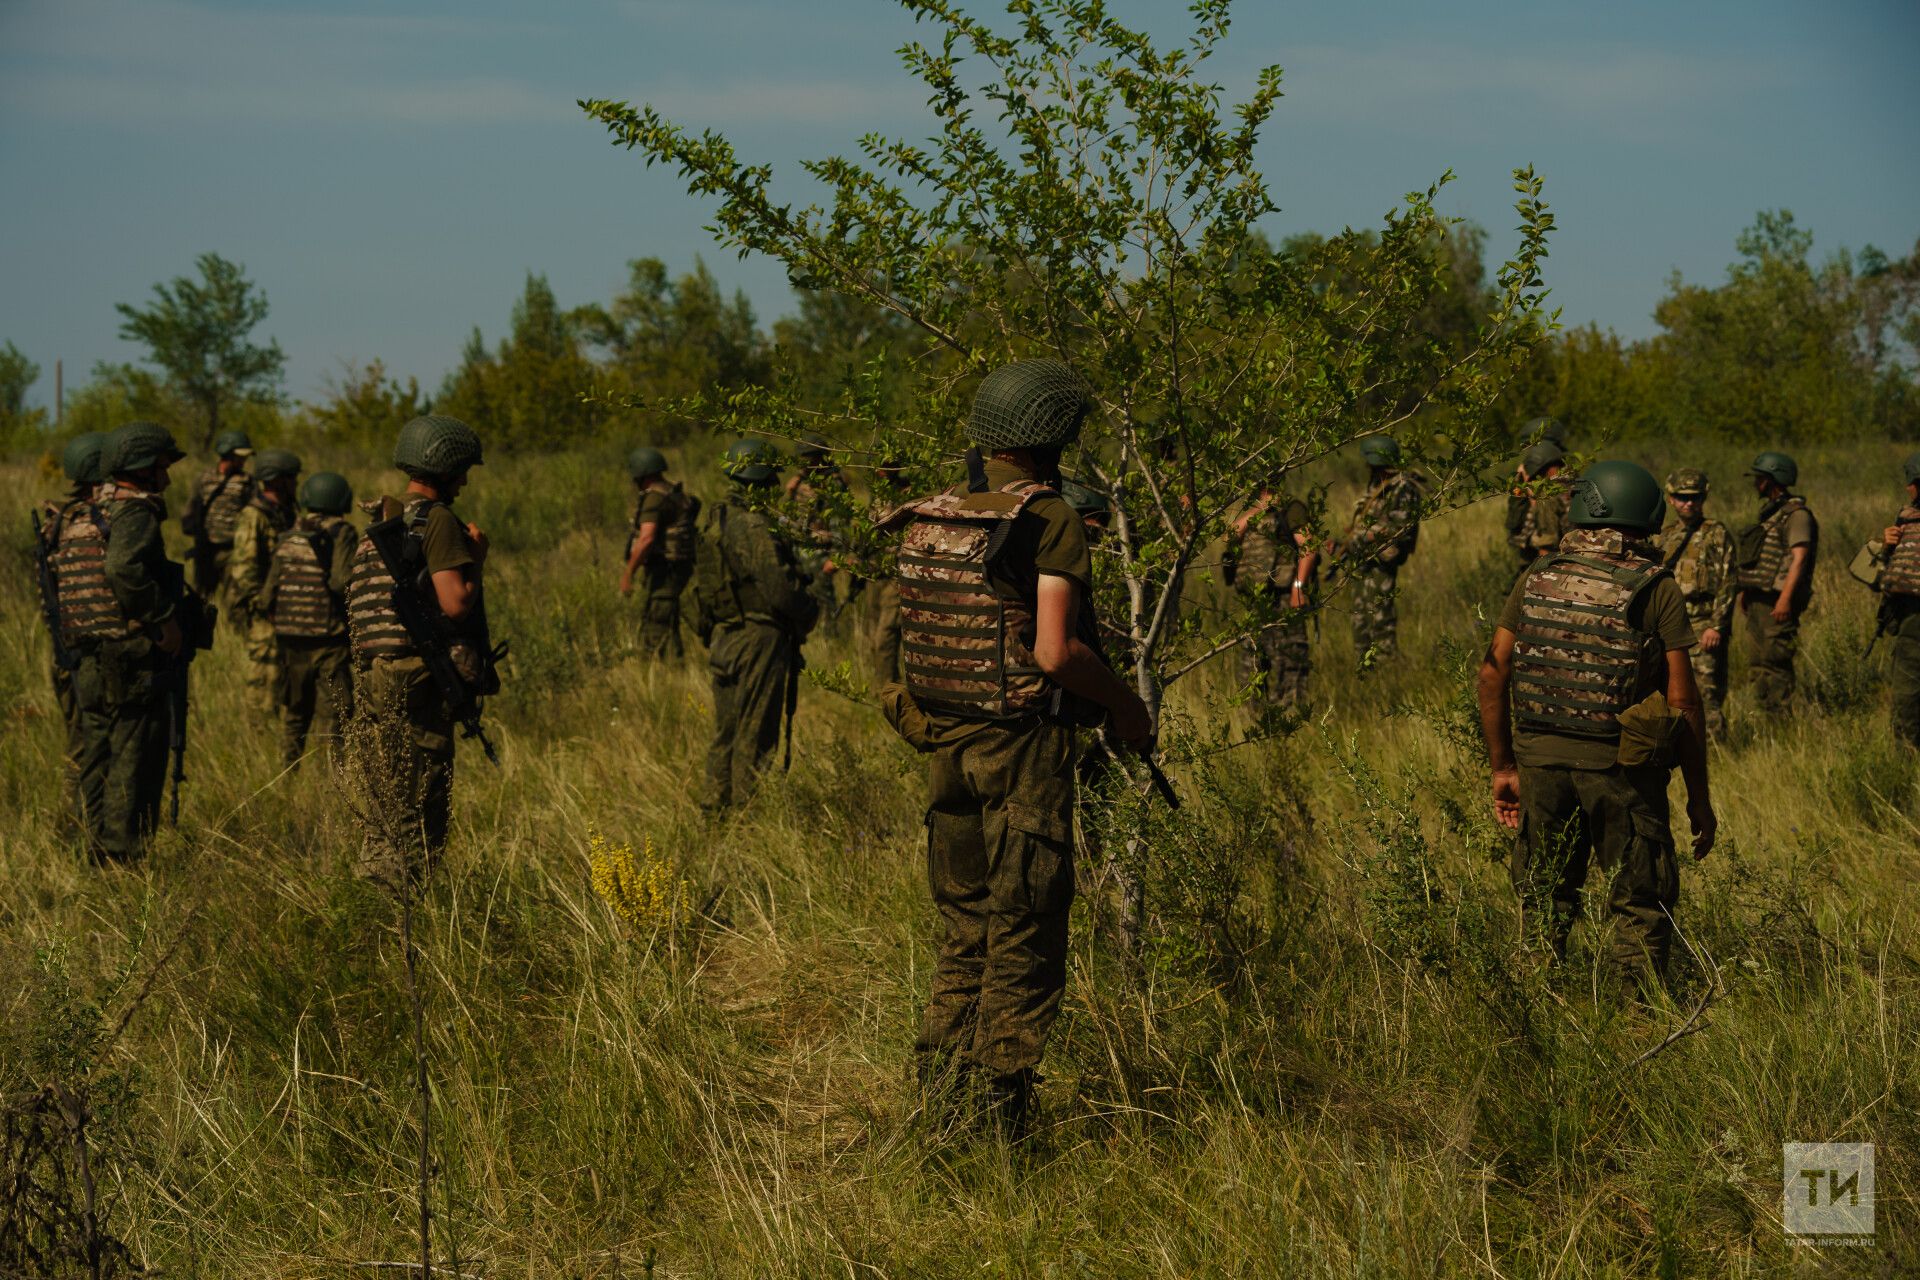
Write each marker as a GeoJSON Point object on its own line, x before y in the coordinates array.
{"type": "Point", "coordinates": [389, 539]}
{"type": "Point", "coordinates": [1882, 620]}
{"type": "Point", "coordinates": [63, 657]}
{"type": "Point", "coordinates": [1160, 783]}
{"type": "Point", "coordinates": [177, 734]}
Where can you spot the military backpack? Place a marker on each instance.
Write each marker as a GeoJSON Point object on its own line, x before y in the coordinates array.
{"type": "Point", "coordinates": [1902, 573]}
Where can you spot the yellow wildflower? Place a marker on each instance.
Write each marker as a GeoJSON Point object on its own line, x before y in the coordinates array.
{"type": "Point", "coordinates": [643, 891]}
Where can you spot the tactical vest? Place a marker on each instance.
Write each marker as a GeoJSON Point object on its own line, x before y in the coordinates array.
{"type": "Point", "coordinates": [304, 604]}
{"type": "Point", "coordinates": [1902, 574]}
{"type": "Point", "coordinates": [1691, 558]}
{"type": "Point", "coordinates": [1763, 547]}
{"type": "Point", "coordinates": [967, 650]}
{"type": "Point", "coordinates": [221, 499]}
{"type": "Point", "coordinates": [1578, 659]}
{"type": "Point", "coordinates": [76, 541]}
{"type": "Point", "coordinates": [679, 531]}
{"type": "Point", "coordinates": [375, 628]}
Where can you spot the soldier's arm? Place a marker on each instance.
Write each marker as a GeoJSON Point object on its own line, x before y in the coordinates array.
{"type": "Point", "coordinates": [246, 570]}
{"type": "Point", "coordinates": [1683, 696]}
{"type": "Point", "coordinates": [1496, 725]}
{"type": "Point", "coordinates": [1070, 663]}
{"type": "Point", "coordinates": [133, 549]}
{"type": "Point", "coordinates": [340, 572]}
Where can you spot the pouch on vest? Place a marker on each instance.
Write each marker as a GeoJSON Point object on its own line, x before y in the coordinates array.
{"type": "Point", "coordinates": [904, 716]}
{"type": "Point", "coordinates": [1868, 564]}
{"type": "Point", "coordinates": [1749, 545]}
{"type": "Point", "coordinates": [1649, 730]}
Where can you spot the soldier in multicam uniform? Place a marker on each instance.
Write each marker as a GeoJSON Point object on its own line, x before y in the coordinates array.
{"type": "Point", "coordinates": [1542, 514]}
{"type": "Point", "coordinates": [1698, 552]}
{"type": "Point", "coordinates": [73, 538]}
{"type": "Point", "coordinates": [305, 602]}
{"type": "Point", "coordinates": [1379, 540]}
{"type": "Point", "coordinates": [1270, 561]}
{"type": "Point", "coordinates": [1538, 431]}
{"type": "Point", "coordinates": [660, 547]}
{"type": "Point", "coordinates": [1900, 606]}
{"type": "Point", "coordinates": [1773, 563]}
{"type": "Point", "coordinates": [1593, 631]}
{"type": "Point", "coordinates": [219, 495]}
{"type": "Point", "coordinates": [267, 515]}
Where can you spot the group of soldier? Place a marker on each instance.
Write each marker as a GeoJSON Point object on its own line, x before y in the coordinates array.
{"type": "Point", "coordinates": [1606, 668]}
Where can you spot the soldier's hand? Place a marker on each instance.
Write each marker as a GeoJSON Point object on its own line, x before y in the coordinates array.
{"type": "Point", "coordinates": [169, 637]}
{"type": "Point", "coordinates": [1506, 797]}
{"type": "Point", "coordinates": [1710, 639]}
{"type": "Point", "coordinates": [1131, 723]}
{"type": "Point", "coordinates": [1701, 817]}
{"type": "Point", "coordinates": [1891, 538]}
{"type": "Point", "coordinates": [479, 541]}
{"type": "Point", "coordinates": [1782, 608]}
{"type": "Point", "coordinates": [626, 584]}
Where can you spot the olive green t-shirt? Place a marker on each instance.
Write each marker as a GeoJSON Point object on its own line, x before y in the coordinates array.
{"type": "Point", "coordinates": [656, 507]}
{"type": "Point", "coordinates": [444, 541]}
{"type": "Point", "coordinates": [1661, 611]}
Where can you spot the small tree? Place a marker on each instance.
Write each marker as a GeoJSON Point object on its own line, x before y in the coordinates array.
{"type": "Point", "coordinates": [197, 331]}
{"type": "Point", "coordinates": [364, 405]}
{"type": "Point", "coordinates": [526, 393]}
{"type": "Point", "coordinates": [1116, 226]}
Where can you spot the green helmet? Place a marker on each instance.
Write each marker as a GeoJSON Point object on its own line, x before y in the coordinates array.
{"type": "Point", "coordinates": [1911, 468]}
{"type": "Point", "coordinates": [435, 445]}
{"type": "Point", "coordinates": [1620, 494]}
{"type": "Point", "coordinates": [232, 444]}
{"type": "Point", "coordinates": [813, 447]}
{"type": "Point", "coordinates": [1776, 466]}
{"type": "Point", "coordinates": [751, 462]}
{"type": "Point", "coordinates": [1380, 451]}
{"type": "Point", "coordinates": [137, 446]}
{"type": "Point", "coordinates": [1687, 482]}
{"type": "Point", "coordinates": [645, 462]}
{"type": "Point", "coordinates": [1029, 404]}
{"type": "Point", "coordinates": [1084, 501]}
{"type": "Point", "coordinates": [1546, 429]}
{"type": "Point", "coordinates": [1541, 456]}
{"type": "Point", "coordinates": [276, 464]}
{"type": "Point", "coordinates": [81, 458]}
{"type": "Point", "coordinates": [326, 492]}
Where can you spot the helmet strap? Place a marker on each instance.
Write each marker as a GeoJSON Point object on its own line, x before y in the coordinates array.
{"type": "Point", "coordinates": [976, 472]}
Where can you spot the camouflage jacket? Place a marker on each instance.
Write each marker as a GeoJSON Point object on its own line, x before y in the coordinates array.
{"type": "Point", "coordinates": [815, 514]}
{"type": "Point", "coordinates": [1266, 554]}
{"type": "Point", "coordinates": [1543, 524]}
{"type": "Point", "coordinates": [254, 534]}
{"type": "Point", "coordinates": [744, 571]}
{"type": "Point", "coordinates": [1701, 562]}
{"type": "Point", "coordinates": [146, 585]}
{"type": "Point", "coordinates": [1386, 522]}
{"type": "Point", "coordinates": [215, 507]}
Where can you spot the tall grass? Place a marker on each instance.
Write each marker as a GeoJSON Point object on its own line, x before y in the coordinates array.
{"type": "Point", "coordinates": [1332, 1055]}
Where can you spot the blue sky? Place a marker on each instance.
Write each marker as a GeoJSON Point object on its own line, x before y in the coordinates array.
{"type": "Point", "coordinates": [390, 172]}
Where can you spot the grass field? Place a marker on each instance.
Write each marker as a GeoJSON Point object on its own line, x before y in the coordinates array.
{"type": "Point", "coordinates": [1332, 1057]}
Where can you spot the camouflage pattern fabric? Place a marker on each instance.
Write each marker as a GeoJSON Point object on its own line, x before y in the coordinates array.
{"type": "Point", "coordinates": [1700, 558]}
{"type": "Point", "coordinates": [1771, 647]}
{"type": "Point", "coordinates": [1904, 670]}
{"type": "Point", "coordinates": [120, 699]}
{"type": "Point", "coordinates": [212, 511]}
{"type": "Point", "coordinates": [315, 693]}
{"type": "Point", "coordinates": [1544, 523]}
{"type": "Point", "coordinates": [254, 534]}
{"type": "Point", "coordinates": [1376, 618]}
{"type": "Point", "coordinates": [1277, 660]}
{"type": "Point", "coordinates": [1578, 659]}
{"type": "Point", "coordinates": [402, 759]}
{"type": "Point", "coordinates": [1902, 573]}
{"type": "Point", "coordinates": [751, 665]}
{"type": "Point", "coordinates": [1380, 538]}
{"type": "Point", "coordinates": [661, 583]}
{"type": "Point", "coordinates": [1768, 571]}
{"type": "Point", "coordinates": [1618, 817]}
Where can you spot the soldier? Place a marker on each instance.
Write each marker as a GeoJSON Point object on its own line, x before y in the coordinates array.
{"type": "Point", "coordinates": [1900, 606]}
{"type": "Point", "coordinates": [267, 515]}
{"type": "Point", "coordinates": [1586, 694]}
{"type": "Point", "coordinates": [1774, 571]}
{"type": "Point", "coordinates": [1001, 664]}
{"type": "Point", "coordinates": [813, 488]}
{"type": "Point", "coordinates": [405, 739]}
{"type": "Point", "coordinates": [1542, 516]}
{"type": "Point", "coordinates": [753, 610]}
{"type": "Point", "coordinates": [129, 639]}
{"type": "Point", "coordinates": [1536, 431]}
{"type": "Point", "coordinates": [1270, 562]}
{"type": "Point", "coordinates": [1380, 539]}
{"type": "Point", "coordinates": [660, 544]}
{"type": "Point", "coordinates": [73, 547]}
{"type": "Point", "coordinates": [1698, 552]}
{"type": "Point", "coordinates": [883, 594]}
{"type": "Point", "coordinates": [305, 602]}
{"type": "Point", "coordinates": [219, 495]}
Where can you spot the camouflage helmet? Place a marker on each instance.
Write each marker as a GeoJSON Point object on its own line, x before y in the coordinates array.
{"type": "Point", "coordinates": [1029, 404]}
{"type": "Point", "coordinates": [1619, 494]}
{"type": "Point", "coordinates": [813, 447]}
{"type": "Point", "coordinates": [326, 492]}
{"type": "Point", "coordinates": [1687, 482]}
{"type": "Point", "coordinates": [645, 462]}
{"type": "Point", "coordinates": [1541, 456]}
{"type": "Point", "coordinates": [1084, 501]}
{"type": "Point", "coordinates": [232, 444]}
{"type": "Point", "coordinates": [275, 464]}
{"type": "Point", "coordinates": [1776, 466]}
{"type": "Point", "coordinates": [750, 462]}
{"type": "Point", "coordinates": [81, 458]}
{"type": "Point", "coordinates": [1546, 429]}
{"type": "Point", "coordinates": [137, 446]}
{"type": "Point", "coordinates": [1911, 468]}
{"type": "Point", "coordinates": [436, 445]}
{"type": "Point", "coordinates": [1380, 451]}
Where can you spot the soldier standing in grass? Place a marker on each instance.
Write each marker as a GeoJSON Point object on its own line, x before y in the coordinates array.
{"type": "Point", "coordinates": [1774, 562]}
{"type": "Point", "coordinates": [1698, 552]}
{"type": "Point", "coordinates": [1543, 515]}
{"type": "Point", "coordinates": [1587, 697]}
{"type": "Point", "coordinates": [306, 604]}
{"type": "Point", "coordinates": [1270, 562]}
{"type": "Point", "coordinates": [219, 495]}
{"type": "Point", "coordinates": [1002, 662]}
{"type": "Point", "coordinates": [267, 515]}
{"type": "Point", "coordinates": [73, 542]}
{"type": "Point", "coordinates": [753, 610]}
{"type": "Point", "coordinates": [1900, 606]}
{"type": "Point", "coordinates": [1379, 540]}
{"type": "Point", "coordinates": [404, 739]}
{"type": "Point", "coordinates": [660, 545]}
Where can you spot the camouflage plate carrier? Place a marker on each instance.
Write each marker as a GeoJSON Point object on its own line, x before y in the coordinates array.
{"type": "Point", "coordinates": [76, 541]}
{"type": "Point", "coordinates": [679, 532]}
{"type": "Point", "coordinates": [1763, 560]}
{"type": "Point", "coordinates": [1578, 659]}
{"type": "Point", "coordinates": [1901, 576]}
{"type": "Point", "coordinates": [303, 604]}
{"type": "Point", "coordinates": [376, 629]}
{"type": "Point", "coordinates": [217, 501]}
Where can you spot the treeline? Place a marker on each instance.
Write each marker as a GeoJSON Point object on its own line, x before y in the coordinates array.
{"type": "Point", "coordinates": [1787, 349]}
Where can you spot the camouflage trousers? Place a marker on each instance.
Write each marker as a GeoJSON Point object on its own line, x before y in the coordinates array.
{"type": "Point", "coordinates": [120, 710]}
{"type": "Point", "coordinates": [1905, 674]}
{"type": "Point", "coordinates": [1278, 660]}
{"type": "Point", "coordinates": [1771, 647]}
{"type": "Point", "coordinates": [1570, 818]}
{"type": "Point", "coordinates": [751, 663]}
{"type": "Point", "coordinates": [1000, 868]}
{"type": "Point", "coordinates": [263, 665]}
{"type": "Point", "coordinates": [400, 760]}
{"type": "Point", "coordinates": [662, 584]}
{"type": "Point", "coordinates": [315, 693]}
{"type": "Point", "coordinates": [882, 642]}
{"type": "Point", "coordinates": [1376, 620]}
{"type": "Point", "coordinates": [1710, 673]}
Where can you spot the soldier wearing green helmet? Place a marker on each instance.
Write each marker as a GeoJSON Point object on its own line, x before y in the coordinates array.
{"type": "Point", "coordinates": [219, 496]}
{"type": "Point", "coordinates": [1378, 542]}
{"type": "Point", "coordinates": [1537, 504]}
{"type": "Point", "coordinates": [269, 513]}
{"type": "Point", "coordinates": [71, 543]}
{"type": "Point", "coordinates": [660, 544]}
{"type": "Point", "coordinates": [753, 610]}
{"type": "Point", "coordinates": [1587, 699]}
{"type": "Point", "coordinates": [1270, 560]}
{"type": "Point", "coordinates": [820, 493]}
{"type": "Point", "coordinates": [1698, 552]}
{"type": "Point", "coordinates": [402, 747]}
{"type": "Point", "coordinates": [1773, 564]}
{"type": "Point", "coordinates": [1002, 662]}
{"type": "Point", "coordinates": [305, 601]}
{"type": "Point", "coordinates": [1900, 605]}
